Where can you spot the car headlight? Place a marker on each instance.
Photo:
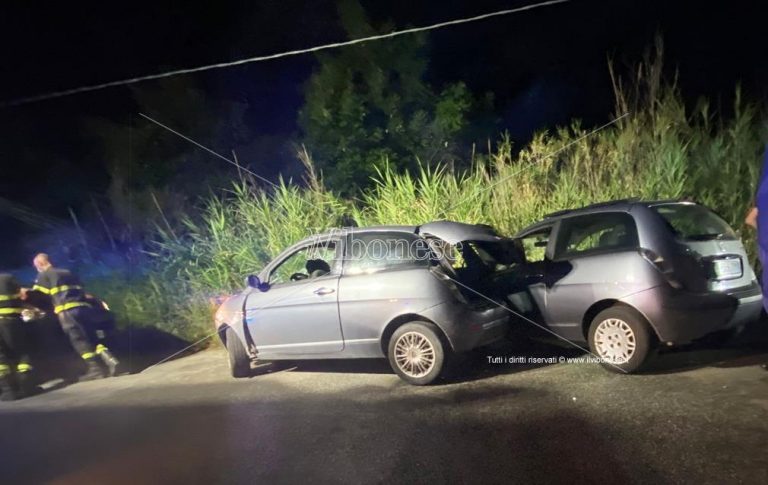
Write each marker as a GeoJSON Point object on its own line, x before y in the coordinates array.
{"type": "Point", "coordinates": [220, 316]}
{"type": "Point", "coordinates": [227, 315]}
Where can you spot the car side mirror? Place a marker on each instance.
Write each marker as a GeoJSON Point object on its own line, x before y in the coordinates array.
{"type": "Point", "coordinates": [254, 282]}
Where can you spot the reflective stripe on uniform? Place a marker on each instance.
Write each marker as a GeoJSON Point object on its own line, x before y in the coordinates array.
{"type": "Point", "coordinates": [60, 289]}
{"type": "Point", "coordinates": [10, 297]}
{"type": "Point", "coordinates": [88, 355]}
{"type": "Point", "coordinates": [42, 289]}
{"type": "Point", "coordinates": [23, 368]}
{"type": "Point", "coordinates": [69, 306]}
{"type": "Point", "coordinates": [4, 370]}
{"type": "Point", "coordinates": [101, 348]}
{"type": "Point", "coordinates": [11, 311]}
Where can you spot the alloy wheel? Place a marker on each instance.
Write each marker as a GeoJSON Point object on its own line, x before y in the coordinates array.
{"type": "Point", "coordinates": [414, 354]}
{"type": "Point", "coordinates": [615, 341]}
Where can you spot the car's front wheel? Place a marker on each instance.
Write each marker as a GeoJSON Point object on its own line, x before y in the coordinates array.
{"type": "Point", "coordinates": [239, 360]}
{"type": "Point", "coordinates": [416, 353]}
{"type": "Point", "coordinates": [621, 338]}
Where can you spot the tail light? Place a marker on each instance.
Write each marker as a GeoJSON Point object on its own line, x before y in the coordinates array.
{"type": "Point", "coordinates": [662, 265]}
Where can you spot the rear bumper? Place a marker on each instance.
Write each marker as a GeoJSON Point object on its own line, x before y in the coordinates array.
{"type": "Point", "coordinates": [680, 316]}
{"type": "Point", "coordinates": [468, 328]}
{"type": "Point", "coordinates": [750, 304]}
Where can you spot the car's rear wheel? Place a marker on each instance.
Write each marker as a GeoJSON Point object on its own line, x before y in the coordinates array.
{"type": "Point", "coordinates": [621, 338]}
{"type": "Point", "coordinates": [416, 353]}
{"type": "Point", "coordinates": [239, 360]}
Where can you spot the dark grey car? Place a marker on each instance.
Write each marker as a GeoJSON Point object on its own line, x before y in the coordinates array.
{"type": "Point", "coordinates": [626, 274]}
{"type": "Point", "coordinates": [376, 292]}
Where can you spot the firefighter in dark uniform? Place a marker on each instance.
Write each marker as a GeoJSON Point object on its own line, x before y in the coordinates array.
{"type": "Point", "coordinates": [15, 369]}
{"type": "Point", "coordinates": [72, 309]}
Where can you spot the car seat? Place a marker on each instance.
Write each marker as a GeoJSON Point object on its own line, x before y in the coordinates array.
{"type": "Point", "coordinates": [317, 267]}
{"type": "Point", "coordinates": [608, 239]}
{"type": "Point", "coordinates": [615, 238]}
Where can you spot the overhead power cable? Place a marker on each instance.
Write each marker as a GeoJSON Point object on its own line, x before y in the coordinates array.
{"type": "Point", "coordinates": [232, 162]}
{"type": "Point", "coordinates": [209, 67]}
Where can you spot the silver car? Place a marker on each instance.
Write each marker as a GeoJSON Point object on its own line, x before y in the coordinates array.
{"type": "Point", "coordinates": [624, 275]}
{"type": "Point", "coordinates": [398, 292]}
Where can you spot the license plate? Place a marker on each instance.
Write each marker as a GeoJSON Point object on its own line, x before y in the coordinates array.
{"type": "Point", "coordinates": [727, 268]}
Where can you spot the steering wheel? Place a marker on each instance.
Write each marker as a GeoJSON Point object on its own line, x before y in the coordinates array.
{"type": "Point", "coordinates": [299, 276]}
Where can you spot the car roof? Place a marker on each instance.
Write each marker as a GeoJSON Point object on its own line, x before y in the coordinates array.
{"type": "Point", "coordinates": [385, 228]}
{"type": "Point", "coordinates": [615, 205]}
{"type": "Point", "coordinates": [344, 231]}
{"type": "Point", "coordinates": [450, 231]}
{"type": "Point", "coordinates": [611, 205]}
{"type": "Point", "coordinates": [621, 205]}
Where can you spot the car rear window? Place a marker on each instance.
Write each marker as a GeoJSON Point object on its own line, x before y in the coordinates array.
{"type": "Point", "coordinates": [589, 234]}
{"type": "Point", "coordinates": [693, 222]}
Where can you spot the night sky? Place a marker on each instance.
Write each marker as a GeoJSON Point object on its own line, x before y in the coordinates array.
{"type": "Point", "coordinates": [544, 67]}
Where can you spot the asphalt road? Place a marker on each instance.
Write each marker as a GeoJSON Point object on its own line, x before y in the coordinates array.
{"type": "Point", "coordinates": [698, 416]}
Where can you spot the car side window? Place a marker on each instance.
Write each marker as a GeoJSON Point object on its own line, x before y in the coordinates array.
{"type": "Point", "coordinates": [596, 232]}
{"type": "Point", "coordinates": [306, 263]}
{"type": "Point", "coordinates": [535, 245]}
{"type": "Point", "coordinates": [371, 252]}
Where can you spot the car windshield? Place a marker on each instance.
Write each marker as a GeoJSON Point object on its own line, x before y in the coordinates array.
{"type": "Point", "coordinates": [692, 222]}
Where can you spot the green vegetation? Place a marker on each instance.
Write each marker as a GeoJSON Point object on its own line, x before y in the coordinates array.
{"type": "Point", "coordinates": [368, 105]}
{"type": "Point", "coordinates": [660, 150]}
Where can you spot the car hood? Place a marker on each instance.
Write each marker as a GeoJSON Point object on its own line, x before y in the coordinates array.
{"type": "Point", "coordinates": [456, 232]}
{"type": "Point", "coordinates": [504, 250]}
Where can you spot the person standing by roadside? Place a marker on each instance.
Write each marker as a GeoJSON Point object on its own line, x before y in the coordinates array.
{"type": "Point", "coordinates": [15, 369]}
{"type": "Point", "coordinates": [757, 217]}
{"type": "Point", "coordinates": [72, 309]}
{"type": "Point", "coordinates": [751, 221]}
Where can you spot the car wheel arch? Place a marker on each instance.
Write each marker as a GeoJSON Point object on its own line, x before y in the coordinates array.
{"type": "Point", "coordinates": [601, 305]}
{"type": "Point", "coordinates": [245, 339]}
{"type": "Point", "coordinates": [401, 320]}
{"type": "Point", "coordinates": [222, 333]}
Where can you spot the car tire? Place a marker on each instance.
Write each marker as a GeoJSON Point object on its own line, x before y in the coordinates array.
{"type": "Point", "coordinates": [239, 360]}
{"type": "Point", "coordinates": [622, 338]}
{"type": "Point", "coordinates": [416, 353]}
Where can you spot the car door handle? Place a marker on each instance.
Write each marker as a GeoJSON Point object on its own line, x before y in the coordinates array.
{"type": "Point", "coordinates": [323, 291]}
